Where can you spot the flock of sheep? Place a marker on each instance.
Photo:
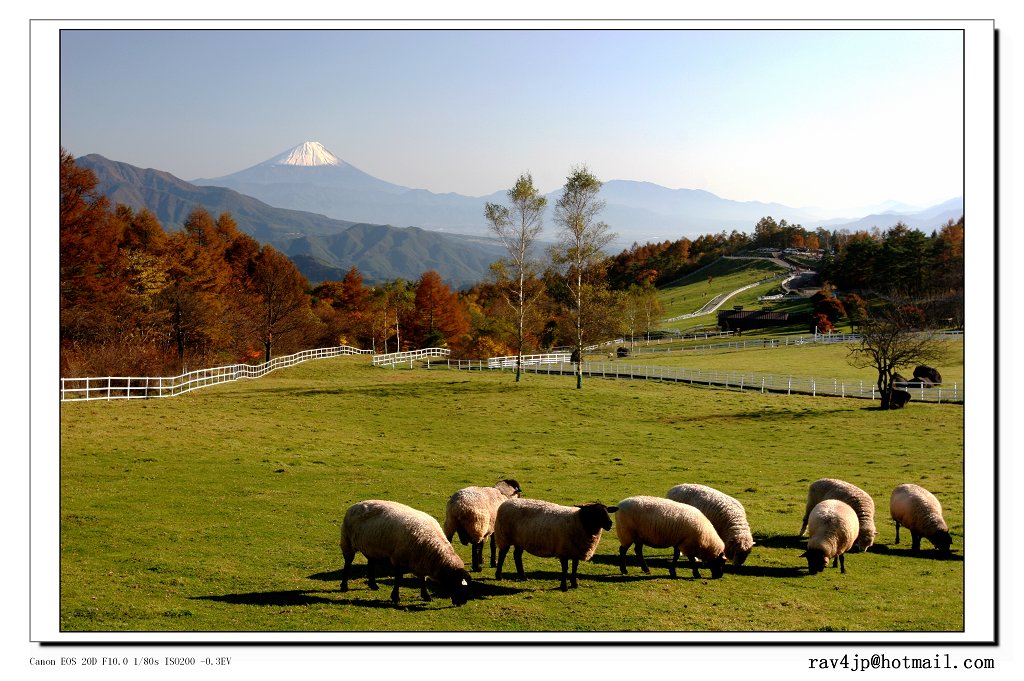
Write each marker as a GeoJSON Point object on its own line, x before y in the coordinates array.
{"type": "Point", "coordinates": [697, 521]}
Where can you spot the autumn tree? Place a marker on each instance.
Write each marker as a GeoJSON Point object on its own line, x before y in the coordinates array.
{"type": "Point", "coordinates": [517, 227]}
{"type": "Point", "coordinates": [892, 341]}
{"type": "Point", "coordinates": [282, 305]}
{"type": "Point", "coordinates": [88, 256]}
{"type": "Point", "coordinates": [582, 238]}
{"type": "Point", "coordinates": [439, 319]}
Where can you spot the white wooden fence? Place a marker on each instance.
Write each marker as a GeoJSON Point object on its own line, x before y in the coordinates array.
{"type": "Point", "coordinates": [134, 387]}
{"type": "Point", "coordinates": [410, 356]}
{"type": "Point", "coordinates": [765, 383]}
{"type": "Point", "coordinates": [528, 360]}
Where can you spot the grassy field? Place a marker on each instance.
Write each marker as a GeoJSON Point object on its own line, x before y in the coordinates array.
{"type": "Point", "coordinates": [219, 510]}
{"type": "Point", "coordinates": [819, 360]}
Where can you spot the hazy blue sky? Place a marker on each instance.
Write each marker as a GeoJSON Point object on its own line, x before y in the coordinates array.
{"type": "Point", "coordinates": [830, 118]}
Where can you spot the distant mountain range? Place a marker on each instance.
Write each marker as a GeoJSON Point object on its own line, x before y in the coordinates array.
{"type": "Point", "coordinates": [328, 215]}
{"type": "Point", "coordinates": [323, 248]}
{"type": "Point", "coordinates": [309, 177]}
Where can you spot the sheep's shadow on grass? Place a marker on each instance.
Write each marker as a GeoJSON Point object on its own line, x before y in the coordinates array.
{"type": "Point", "coordinates": [929, 553]}
{"type": "Point", "coordinates": [659, 567]}
{"type": "Point", "coordinates": [280, 599]}
{"type": "Point", "coordinates": [481, 586]}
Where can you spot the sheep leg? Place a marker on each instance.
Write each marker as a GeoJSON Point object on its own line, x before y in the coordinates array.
{"type": "Point", "coordinates": [398, 581]}
{"type": "Point", "coordinates": [622, 558]}
{"type": "Point", "coordinates": [371, 580]}
{"type": "Point", "coordinates": [842, 564]}
{"type": "Point", "coordinates": [572, 577]}
{"type": "Point", "coordinates": [915, 539]}
{"type": "Point", "coordinates": [675, 560]}
{"type": "Point", "coordinates": [565, 572]}
{"type": "Point", "coordinates": [501, 561]}
{"type": "Point", "coordinates": [897, 533]}
{"type": "Point", "coordinates": [492, 552]}
{"type": "Point", "coordinates": [517, 555]}
{"type": "Point", "coordinates": [345, 570]}
{"type": "Point", "coordinates": [477, 551]}
{"type": "Point", "coordinates": [638, 549]}
{"type": "Point", "coordinates": [835, 561]}
{"type": "Point", "coordinates": [423, 589]}
{"type": "Point", "coordinates": [693, 566]}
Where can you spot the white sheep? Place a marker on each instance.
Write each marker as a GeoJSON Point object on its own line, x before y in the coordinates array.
{"type": "Point", "coordinates": [859, 500]}
{"type": "Point", "coordinates": [919, 511]}
{"type": "Point", "coordinates": [832, 527]}
{"type": "Point", "coordinates": [410, 539]}
{"type": "Point", "coordinates": [550, 530]}
{"type": "Point", "coordinates": [664, 523]}
{"type": "Point", "coordinates": [471, 512]}
{"type": "Point", "coordinates": [725, 513]}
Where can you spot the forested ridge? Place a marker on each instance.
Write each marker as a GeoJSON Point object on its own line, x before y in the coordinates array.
{"type": "Point", "coordinates": [137, 299]}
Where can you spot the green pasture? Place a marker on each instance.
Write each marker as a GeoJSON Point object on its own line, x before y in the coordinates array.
{"type": "Point", "coordinates": [812, 359]}
{"type": "Point", "coordinates": [219, 510]}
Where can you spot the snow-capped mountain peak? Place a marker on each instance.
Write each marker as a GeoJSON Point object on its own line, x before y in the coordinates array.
{"type": "Point", "coordinates": [306, 154]}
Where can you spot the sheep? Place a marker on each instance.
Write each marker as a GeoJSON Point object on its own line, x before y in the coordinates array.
{"type": "Point", "coordinates": [550, 530]}
{"type": "Point", "coordinates": [662, 523]}
{"type": "Point", "coordinates": [410, 539]}
{"type": "Point", "coordinates": [725, 513]}
{"type": "Point", "coordinates": [832, 526]}
{"type": "Point", "coordinates": [858, 499]}
{"type": "Point", "coordinates": [919, 511]}
{"type": "Point", "coordinates": [471, 512]}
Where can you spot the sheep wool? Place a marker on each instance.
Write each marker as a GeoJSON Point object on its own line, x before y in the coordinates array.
{"type": "Point", "coordinates": [725, 513]}
{"type": "Point", "coordinates": [859, 500]}
{"type": "Point", "coordinates": [545, 529]}
{"type": "Point", "coordinates": [471, 513]}
{"type": "Point", "coordinates": [917, 509]}
{"type": "Point", "coordinates": [832, 528]}
{"type": "Point", "coordinates": [663, 523]}
{"type": "Point", "coordinates": [410, 539]}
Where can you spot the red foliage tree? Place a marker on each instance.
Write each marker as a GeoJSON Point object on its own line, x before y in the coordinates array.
{"type": "Point", "coordinates": [440, 317]}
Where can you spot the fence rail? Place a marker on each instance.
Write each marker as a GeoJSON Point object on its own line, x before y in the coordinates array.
{"type": "Point", "coordinates": [409, 356]}
{"type": "Point", "coordinates": [528, 360]}
{"type": "Point", "coordinates": [143, 387]}
{"type": "Point", "coordinates": [765, 383]}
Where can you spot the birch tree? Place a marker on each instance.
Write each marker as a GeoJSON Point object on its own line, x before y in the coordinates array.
{"type": "Point", "coordinates": [581, 240]}
{"type": "Point", "coordinates": [517, 226]}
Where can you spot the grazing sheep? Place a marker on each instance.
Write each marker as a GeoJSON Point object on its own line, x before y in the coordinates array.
{"type": "Point", "coordinates": [471, 512]}
{"type": "Point", "coordinates": [919, 511]}
{"type": "Point", "coordinates": [662, 523]}
{"type": "Point", "coordinates": [725, 513]}
{"type": "Point", "coordinates": [410, 539]}
{"type": "Point", "coordinates": [833, 526]}
{"type": "Point", "coordinates": [549, 530]}
{"type": "Point", "coordinates": [858, 499]}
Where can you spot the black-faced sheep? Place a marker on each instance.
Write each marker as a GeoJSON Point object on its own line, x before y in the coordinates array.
{"type": "Point", "coordinates": [544, 529]}
{"type": "Point", "coordinates": [832, 530]}
{"type": "Point", "coordinates": [919, 511]}
{"type": "Point", "coordinates": [410, 539]}
{"type": "Point", "coordinates": [471, 512]}
{"type": "Point", "coordinates": [725, 513]}
{"type": "Point", "coordinates": [855, 497]}
{"type": "Point", "coordinates": [663, 523]}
